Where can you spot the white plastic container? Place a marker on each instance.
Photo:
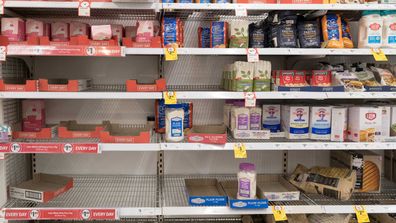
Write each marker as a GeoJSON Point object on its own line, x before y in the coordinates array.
{"type": "Point", "coordinates": [370, 30]}
{"type": "Point", "coordinates": [389, 29]}
{"type": "Point", "coordinates": [247, 181]}
{"type": "Point", "coordinates": [174, 118]}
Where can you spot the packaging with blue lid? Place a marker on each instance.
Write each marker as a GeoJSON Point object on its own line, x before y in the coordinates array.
{"type": "Point", "coordinates": [160, 108]}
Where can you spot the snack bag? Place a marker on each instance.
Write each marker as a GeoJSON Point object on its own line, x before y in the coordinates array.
{"type": "Point", "coordinates": [346, 33]}
{"type": "Point", "coordinates": [239, 35]}
{"type": "Point", "coordinates": [172, 31]}
{"type": "Point", "coordinates": [332, 31]}
{"type": "Point", "coordinates": [218, 34]}
{"type": "Point", "coordinates": [203, 37]}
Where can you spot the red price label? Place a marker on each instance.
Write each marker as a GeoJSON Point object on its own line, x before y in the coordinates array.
{"type": "Point", "coordinates": [49, 148]}
{"type": "Point", "coordinates": [60, 214]}
{"type": "Point", "coordinates": [84, 7]}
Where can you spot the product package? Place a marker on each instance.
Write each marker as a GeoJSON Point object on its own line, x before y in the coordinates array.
{"type": "Point", "coordinates": [101, 32]}
{"type": "Point", "coordinates": [257, 35]}
{"type": "Point", "coordinates": [33, 115]}
{"type": "Point", "coordinates": [346, 34]}
{"type": "Point", "coordinates": [218, 34]}
{"type": "Point", "coordinates": [368, 167]}
{"type": "Point", "coordinates": [367, 78]}
{"type": "Point", "coordinates": [283, 30]}
{"type": "Point", "coordinates": [365, 124]}
{"type": "Point", "coordinates": [79, 29]}
{"type": "Point", "coordinates": [386, 122]}
{"type": "Point", "coordinates": [130, 31]}
{"type": "Point", "coordinates": [203, 37]}
{"type": "Point", "coordinates": [309, 33]}
{"type": "Point", "coordinates": [242, 76]}
{"type": "Point", "coordinates": [117, 32]}
{"type": "Point", "coordinates": [320, 124]}
{"type": "Point", "coordinates": [334, 182]}
{"type": "Point", "coordinates": [339, 124]}
{"type": "Point", "coordinates": [145, 31]}
{"type": "Point", "coordinates": [295, 121]}
{"type": "Point", "coordinates": [386, 77]}
{"type": "Point", "coordinates": [240, 118]}
{"type": "Point", "coordinates": [34, 28]}
{"type": "Point", "coordinates": [272, 118]}
{"type": "Point", "coordinates": [321, 78]}
{"type": "Point", "coordinates": [59, 31]}
{"type": "Point", "coordinates": [332, 31]}
{"type": "Point", "coordinates": [262, 76]}
{"type": "Point", "coordinates": [13, 29]}
{"type": "Point", "coordinates": [348, 80]}
{"type": "Point", "coordinates": [255, 118]}
{"type": "Point", "coordinates": [172, 31]}
{"type": "Point", "coordinates": [238, 33]}
{"type": "Point", "coordinates": [370, 30]}
{"type": "Point", "coordinates": [160, 109]}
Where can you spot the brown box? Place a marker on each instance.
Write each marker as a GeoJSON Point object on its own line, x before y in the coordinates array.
{"type": "Point", "coordinates": [388, 164]}
{"type": "Point", "coordinates": [276, 188]}
{"type": "Point", "coordinates": [368, 166]}
{"type": "Point", "coordinates": [210, 134]}
{"type": "Point", "coordinates": [42, 188]}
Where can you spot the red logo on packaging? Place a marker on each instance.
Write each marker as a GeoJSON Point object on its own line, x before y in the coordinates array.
{"type": "Point", "coordinates": [299, 77]}
{"type": "Point", "coordinates": [392, 26]}
{"type": "Point", "coordinates": [371, 116]}
{"type": "Point", "coordinates": [286, 77]}
{"type": "Point", "coordinates": [321, 78]}
{"type": "Point", "coordinates": [375, 26]}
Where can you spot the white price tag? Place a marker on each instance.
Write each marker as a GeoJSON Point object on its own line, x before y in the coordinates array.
{"type": "Point", "coordinates": [252, 55]}
{"type": "Point", "coordinates": [84, 7]}
{"type": "Point", "coordinates": [3, 53]}
{"type": "Point", "coordinates": [2, 2]}
{"type": "Point", "coordinates": [240, 12]}
{"type": "Point", "coordinates": [250, 99]}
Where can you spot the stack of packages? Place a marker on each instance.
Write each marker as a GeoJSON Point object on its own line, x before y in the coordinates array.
{"type": "Point", "coordinates": [247, 77]}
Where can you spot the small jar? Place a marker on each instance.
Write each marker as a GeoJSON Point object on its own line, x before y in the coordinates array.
{"type": "Point", "coordinates": [174, 120]}
{"type": "Point", "coordinates": [247, 181]}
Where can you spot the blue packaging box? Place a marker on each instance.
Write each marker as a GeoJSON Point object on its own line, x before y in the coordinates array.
{"type": "Point", "coordinates": [231, 189]}
{"type": "Point", "coordinates": [205, 192]}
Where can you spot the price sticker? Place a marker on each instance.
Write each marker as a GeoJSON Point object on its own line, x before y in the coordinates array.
{"type": "Point", "coordinates": [240, 151]}
{"type": "Point", "coordinates": [361, 214]}
{"type": "Point", "coordinates": [240, 12]}
{"type": "Point", "coordinates": [84, 8]}
{"type": "Point", "coordinates": [379, 55]}
{"type": "Point", "coordinates": [250, 99]}
{"type": "Point", "coordinates": [279, 213]}
{"type": "Point", "coordinates": [3, 53]}
{"type": "Point", "coordinates": [252, 55]}
{"type": "Point", "coordinates": [170, 97]}
{"type": "Point", "coordinates": [171, 53]}
{"type": "Point", "coordinates": [2, 2]}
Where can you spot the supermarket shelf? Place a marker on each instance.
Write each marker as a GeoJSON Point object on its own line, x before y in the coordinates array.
{"type": "Point", "coordinates": [126, 147]}
{"type": "Point", "coordinates": [175, 202]}
{"type": "Point", "coordinates": [82, 95]}
{"type": "Point", "coordinates": [126, 194]}
{"type": "Point", "coordinates": [256, 7]}
{"type": "Point", "coordinates": [74, 5]}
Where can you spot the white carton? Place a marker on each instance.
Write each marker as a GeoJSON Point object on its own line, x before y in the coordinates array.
{"type": "Point", "coordinates": [365, 124]}
{"type": "Point", "coordinates": [295, 121]}
{"type": "Point", "coordinates": [272, 117]}
{"type": "Point", "coordinates": [320, 123]}
{"type": "Point", "coordinates": [339, 124]}
{"type": "Point", "coordinates": [386, 122]}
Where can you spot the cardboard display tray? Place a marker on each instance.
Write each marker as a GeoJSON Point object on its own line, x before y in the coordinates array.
{"type": "Point", "coordinates": [205, 192]}
{"type": "Point", "coordinates": [231, 189]}
{"type": "Point", "coordinates": [276, 188]}
{"type": "Point", "coordinates": [42, 188]}
{"type": "Point", "coordinates": [251, 134]}
{"type": "Point", "coordinates": [64, 85]}
{"type": "Point", "coordinates": [210, 134]}
{"type": "Point", "coordinates": [118, 133]}
{"type": "Point", "coordinates": [134, 86]}
{"type": "Point", "coordinates": [71, 129]}
{"type": "Point", "coordinates": [18, 85]}
{"type": "Point", "coordinates": [130, 43]}
{"type": "Point", "coordinates": [48, 132]}
{"type": "Point", "coordinates": [81, 40]}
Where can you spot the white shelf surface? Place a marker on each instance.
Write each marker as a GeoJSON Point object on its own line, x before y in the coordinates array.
{"type": "Point", "coordinates": [74, 5]}
{"type": "Point", "coordinates": [82, 95]}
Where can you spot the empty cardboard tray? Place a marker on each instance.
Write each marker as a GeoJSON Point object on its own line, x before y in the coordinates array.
{"type": "Point", "coordinates": [205, 192]}
{"type": "Point", "coordinates": [276, 188]}
{"type": "Point", "coordinates": [231, 189]}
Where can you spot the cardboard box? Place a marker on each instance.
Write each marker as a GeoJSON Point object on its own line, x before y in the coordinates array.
{"type": "Point", "coordinates": [368, 166]}
{"type": "Point", "coordinates": [365, 124]}
{"type": "Point", "coordinates": [134, 86]}
{"type": "Point", "coordinates": [388, 164]}
{"type": "Point", "coordinates": [34, 28]}
{"type": "Point", "coordinates": [205, 192]}
{"type": "Point", "coordinates": [13, 28]}
{"type": "Point", "coordinates": [64, 85]}
{"type": "Point", "coordinates": [251, 134]}
{"type": "Point", "coordinates": [231, 189]}
{"type": "Point", "coordinates": [211, 134]}
{"type": "Point", "coordinates": [79, 29]}
{"type": "Point", "coordinates": [60, 31]}
{"type": "Point", "coordinates": [383, 218]}
{"type": "Point", "coordinates": [101, 32]}
{"type": "Point", "coordinates": [320, 123]}
{"type": "Point", "coordinates": [18, 85]}
{"type": "Point", "coordinates": [386, 122]}
{"type": "Point", "coordinates": [276, 188]}
{"type": "Point", "coordinates": [295, 121]}
{"type": "Point", "coordinates": [33, 115]}
{"type": "Point", "coordinates": [119, 133]}
{"type": "Point", "coordinates": [339, 124]}
{"type": "Point", "coordinates": [47, 132]}
{"type": "Point", "coordinates": [272, 118]}
{"type": "Point", "coordinates": [42, 188]}
{"type": "Point", "coordinates": [71, 129]}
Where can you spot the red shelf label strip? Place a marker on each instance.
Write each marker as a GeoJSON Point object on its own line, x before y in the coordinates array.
{"type": "Point", "coordinates": [49, 148]}
{"type": "Point", "coordinates": [60, 214]}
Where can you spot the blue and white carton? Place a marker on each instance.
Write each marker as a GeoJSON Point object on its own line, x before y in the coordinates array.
{"type": "Point", "coordinates": [231, 189]}
{"type": "Point", "coordinates": [205, 192]}
{"type": "Point", "coordinates": [320, 123]}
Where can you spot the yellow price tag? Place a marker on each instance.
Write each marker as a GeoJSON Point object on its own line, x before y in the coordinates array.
{"type": "Point", "coordinates": [240, 151]}
{"type": "Point", "coordinates": [361, 214]}
{"type": "Point", "coordinates": [171, 52]}
{"type": "Point", "coordinates": [170, 97]}
{"type": "Point", "coordinates": [333, 1]}
{"type": "Point", "coordinates": [279, 213]}
{"type": "Point", "coordinates": [378, 55]}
